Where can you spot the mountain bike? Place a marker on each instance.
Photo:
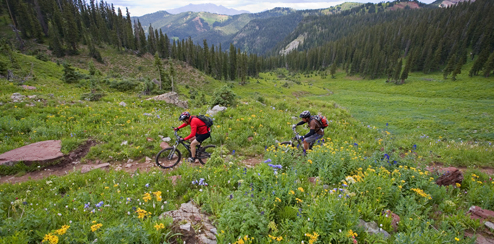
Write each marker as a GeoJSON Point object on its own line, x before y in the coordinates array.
{"type": "Point", "coordinates": [294, 143]}
{"type": "Point", "coordinates": [169, 157]}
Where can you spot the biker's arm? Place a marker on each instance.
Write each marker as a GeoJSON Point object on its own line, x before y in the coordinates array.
{"type": "Point", "coordinates": [300, 123]}
{"type": "Point", "coordinates": [193, 130]}
{"type": "Point", "coordinates": [182, 126]}
{"type": "Point", "coordinates": [311, 132]}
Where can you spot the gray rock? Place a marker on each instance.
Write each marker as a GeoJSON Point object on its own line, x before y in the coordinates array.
{"type": "Point", "coordinates": [32, 97]}
{"type": "Point", "coordinates": [87, 168]}
{"type": "Point", "coordinates": [373, 229]}
{"type": "Point", "coordinates": [216, 109]}
{"type": "Point", "coordinates": [214, 231]}
{"type": "Point", "coordinates": [16, 97]}
{"type": "Point", "coordinates": [128, 165]}
{"type": "Point", "coordinates": [122, 104]}
{"type": "Point", "coordinates": [171, 97]}
{"type": "Point", "coordinates": [490, 225]}
{"type": "Point", "coordinates": [43, 151]}
{"type": "Point", "coordinates": [325, 186]}
{"type": "Point", "coordinates": [185, 227]}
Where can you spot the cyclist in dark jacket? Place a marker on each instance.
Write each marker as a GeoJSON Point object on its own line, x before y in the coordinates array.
{"type": "Point", "coordinates": [315, 133]}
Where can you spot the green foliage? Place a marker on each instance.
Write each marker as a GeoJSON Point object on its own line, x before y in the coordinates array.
{"type": "Point", "coordinates": [69, 74]}
{"type": "Point", "coordinates": [224, 97]}
{"type": "Point", "coordinates": [124, 85]}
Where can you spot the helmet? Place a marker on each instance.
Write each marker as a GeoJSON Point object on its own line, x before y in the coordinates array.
{"type": "Point", "coordinates": [185, 115]}
{"type": "Point", "coordinates": [305, 114]}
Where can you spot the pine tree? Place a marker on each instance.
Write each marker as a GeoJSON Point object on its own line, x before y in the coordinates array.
{"type": "Point", "coordinates": [69, 75]}
{"type": "Point", "coordinates": [55, 43]}
{"type": "Point", "coordinates": [406, 70]}
{"type": "Point", "coordinates": [159, 67]}
{"type": "Point", "coordinates": [233, 62]}
{"type": "Point", "coordinates": [397, 70]}
{"type": "Point", "coordinates": [70, 29]}
{"type": "Point", "coordinates": [450, 66]}
{"type": "Point", "coordinates": [479, 63]}
{"type": "Point", "coordinates": [333, 69]}
{"type": "Point", "coordinates": [489, 65]}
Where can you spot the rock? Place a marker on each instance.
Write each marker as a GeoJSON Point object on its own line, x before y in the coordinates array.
{"type": "Point", "coordinates": [479, 213]}
{"type": "Point", "coordinates": [148, 160]}
{"type": "Point", "coordinates": [149, 139]}
{"type": "Point", "coordinates": [28, 87]}
{"type": "Point", "coordinates": [250, 138]}
{"type": "Point", "coordinates": [313, 180]}
{"type": "Point", "coordinates": [37, 152]}
{"type": "Point", "coordinates": [325, 186]}
{"type": "Point", "coordinates": [122, 104]}
{"type": "Point", "coordinates": [373, 229]}
{"type": "Point", "coordinates": [394, 219]}
{"type": "Point", "coordinates": [123, 143]}
{"type": "Point", "coordinates": [166, 139]}
{"type": "Point", "coordinates": [480, 239]}
{"type": "Point", "coordinates": [32, 97]}
{"type": "Point", "coordinates": [87, 168]}
{"type": "Point", "coordinates": [164, 145]}
{"type": "Point", "coordinates": [216, 109]}
{"type": "Point", "coordinates": [450, 176]}
{"type": "Point", "coordinates": [130, 160]}
{"type": "Point", "coordinates": [118, 168]}
{"type": "Point", "coordinates": [171, 97]}
{"type": "Point", "coordinates": [489, 225]}
{"type": "Point", "coordinates": [294, 118]}
{"type": "Point", "coordinates": [185, 227]}
{"type": "Point", "coordinates": [16, 97]}
{"type": "Point", "coordinates": [175, 178]}
{"type": "Point", "coordinates": [128, 165]}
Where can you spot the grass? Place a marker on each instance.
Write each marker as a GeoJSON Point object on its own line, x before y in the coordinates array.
{"type": "Point", "coordinates": [363, 166]}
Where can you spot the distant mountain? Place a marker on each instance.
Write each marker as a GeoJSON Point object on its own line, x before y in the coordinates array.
{"type": "Point", "coordinates": [207, 7]}
{"type": "Point", "coordinates": [447, 3]}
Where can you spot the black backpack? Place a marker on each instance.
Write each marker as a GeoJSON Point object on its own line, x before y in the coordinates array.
{"type": "Point", "coordinates": [207, 120]}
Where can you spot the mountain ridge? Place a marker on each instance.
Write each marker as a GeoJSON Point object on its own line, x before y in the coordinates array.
{"type": "Point", "coordinates": [207, 7]}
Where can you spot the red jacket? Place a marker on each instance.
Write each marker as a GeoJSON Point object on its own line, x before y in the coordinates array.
{"type": "Point", "coordinates": [196, 127]}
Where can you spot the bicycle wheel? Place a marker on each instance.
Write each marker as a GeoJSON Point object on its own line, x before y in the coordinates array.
{"type": "Point", "coordinates": [168, 157]}
{"type": "Point", "coordinates": [204, 153]}
{"type": "Point", "coordinates": [285, 146]}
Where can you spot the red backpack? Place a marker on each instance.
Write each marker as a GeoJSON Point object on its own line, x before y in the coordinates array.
{"type": "Point", "coordinates": [323, 121]}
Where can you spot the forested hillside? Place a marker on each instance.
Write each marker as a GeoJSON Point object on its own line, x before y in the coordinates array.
{"type": "Point", "coordinates": [378, 44]}
{"type": "Point", "coordinates": [370, 40]}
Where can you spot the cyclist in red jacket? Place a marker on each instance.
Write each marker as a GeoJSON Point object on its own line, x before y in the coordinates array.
{"type": "Point", "coordinates": [198, 132]}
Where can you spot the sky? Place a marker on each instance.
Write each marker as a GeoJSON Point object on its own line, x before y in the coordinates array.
{"type": "Point", "coordinates": [142, 7]}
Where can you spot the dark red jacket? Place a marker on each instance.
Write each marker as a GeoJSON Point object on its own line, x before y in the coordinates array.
{"type": "Point", "coordinates": [196, 127]}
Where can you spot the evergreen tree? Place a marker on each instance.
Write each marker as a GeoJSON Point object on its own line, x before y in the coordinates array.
{"type": "Point", "coordinates": [159, 67]}
{"type": "Point", "coordinates": [406, 70]}
{"type": "Point", "coordinates": [69, 74]}
{"type": "Point", "coordinates": [70, 29]}
{"type": "Point", "coordinates": [479, 63]}
{"type": "Point", "coordinates": [450, 66]}
{"type": "Point", "coordinates": [55, 43]}
{"type": "Point", "coordinates": [233, 62]}
{"type": "Point", "coordinates": [489, 65]}
{"type": "Point", "coordinates": [397, 70]}
{"type": "Point", "coordinates": [333, 69]}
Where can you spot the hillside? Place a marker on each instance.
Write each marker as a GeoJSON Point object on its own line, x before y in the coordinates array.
{"type": "Point", "coordinates": [207, 7]}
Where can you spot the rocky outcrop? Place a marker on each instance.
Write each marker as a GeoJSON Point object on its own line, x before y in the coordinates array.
{"type": "Point", "coordinates": [188, 216]}
{"type": "Point", "coordinates": [216, 109]}
{"type": "Point", "coordinates": [36, 152]}
{"type": "Point", "coordinates": [450, 176]}
{"type": "Point", "coordinates": [172, 98]}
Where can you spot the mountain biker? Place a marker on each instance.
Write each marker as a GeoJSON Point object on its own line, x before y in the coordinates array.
{"type": "Point", "coordinates": [315, 133]}
{"type": "Point", "coordinates": [198, 132]}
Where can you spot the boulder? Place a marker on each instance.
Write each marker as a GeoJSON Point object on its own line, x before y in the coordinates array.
{"type": "Point", "coordinates": [164, 145]}
{"type": "Point", "coordinates": [172, 98]}
{"type": "Point", "coordinates": [216, 109]}
{"type": "Point", "coordinates": [482, 214]}
{"type": "Point", "coordinates": [479, 239]}
{"type": "Point", "coordinates": [87, 168]}
{"type": "Point", "coordinates": [175, 178]}
{"type": "Point", "coordinates": [450, 176]}
{"type": "Point", "coordinates": [395, 219]}
{"type": "Point", "coordinates": [28, 87]}
{"type": "Point", "coordinates": [37, 152]}
{"type": "Point", "coordinates": [373, 229]}
{"type": "Point", "coordinates": [16, 97]}
{"type": "Point", "coordinates": [188, 217]}
{"type": "Point", "coordinates": [123, 104]}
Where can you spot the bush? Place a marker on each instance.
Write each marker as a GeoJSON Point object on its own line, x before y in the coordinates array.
{"type": "Point", "coordinates": [124, 85]}
{"type": "Point", "coordinates": [42, 57]}
{"type": "Point", "coordinates": [225, 97]}
{"type": "Point", "coordinates": [69, 74]}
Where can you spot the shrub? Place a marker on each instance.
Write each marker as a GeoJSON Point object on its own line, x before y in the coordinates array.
{"type": "Point", "coordinates": [224, 96]}
{"type": "Point", "coordinates": [69, 74]}
{"type": "Point", "coordinates": [124, 85]}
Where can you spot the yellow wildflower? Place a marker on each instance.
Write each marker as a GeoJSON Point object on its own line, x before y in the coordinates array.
{"type": "Point", "coordinates": [52, 239]}
{"type": "Point", "coordinates": [96, 227]}
{"type": "Point", "coordinates": [147, 197]}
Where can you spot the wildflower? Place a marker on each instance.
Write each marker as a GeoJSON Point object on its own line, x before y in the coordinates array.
{"type": "Point", "coordinates": [350, 179]}
{"type": "Point", "coordinates": [147, 197]}
{"type": "Point", "coordinates": [300, 189]}
{"type": "Point", "coordinates": [99, 204]}
{"type": "Point", "coordinates": [147, 185]}
{"type": "Point", "coordinates": [62, 230]}
{"type": "Point", "coordinates": [268, 160]}
{"type": "Point", "coordinates": [52, 239]}
{"type": "Point", "coordinates": [458, 185]}
{"type": "Point", "coordinates": [457, 239]}
{"type": "Point", "coordinates": [96, 227]}
{"type": "Point", "coordinates": [159, 226]}
{"type": "Point", "coordinates": [158, 195]}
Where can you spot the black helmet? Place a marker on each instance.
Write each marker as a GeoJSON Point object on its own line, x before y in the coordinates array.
{"type": "Point", "coordinates": [185, 115]}
{"type": "Point", "coordinates": [305, 114]}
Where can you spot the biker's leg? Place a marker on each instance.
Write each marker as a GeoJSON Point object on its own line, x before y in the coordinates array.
{"type": "Point", "coordinates": [306, 146]}
{"type": "Point", "coordinates": [193, 145]}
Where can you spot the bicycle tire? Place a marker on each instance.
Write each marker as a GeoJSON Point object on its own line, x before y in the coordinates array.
{"type": "Point", "coordinates": [168, 160]}
{"type": "Point", "coordinates": [204, 153]}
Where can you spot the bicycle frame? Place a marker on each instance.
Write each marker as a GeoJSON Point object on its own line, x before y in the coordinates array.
{"type": "Point", "coordinates": [186, 145]}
